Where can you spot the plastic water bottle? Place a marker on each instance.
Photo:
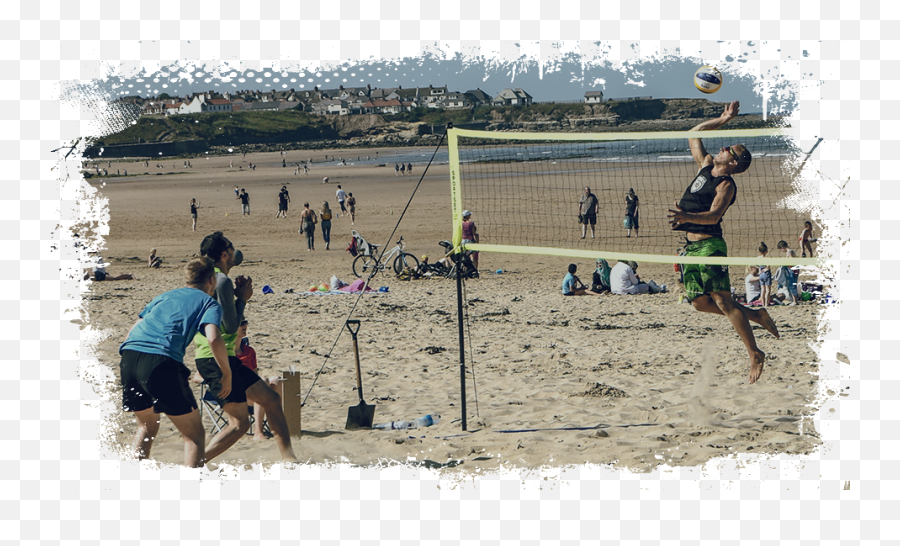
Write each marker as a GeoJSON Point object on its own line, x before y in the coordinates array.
{"type": "Point", "coordinates": [425, 421]}
{"type": "Point", "coordinates": [393, 425]}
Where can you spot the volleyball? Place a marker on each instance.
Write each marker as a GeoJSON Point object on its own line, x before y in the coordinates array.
{"type": "Point", "coordinates": [707, 79]}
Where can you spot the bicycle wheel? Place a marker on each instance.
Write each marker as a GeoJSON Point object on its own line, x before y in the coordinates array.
{"type": "Point", "coordinates": [363, 265]}
{"type": "Point", "coordinates": [405, 260]}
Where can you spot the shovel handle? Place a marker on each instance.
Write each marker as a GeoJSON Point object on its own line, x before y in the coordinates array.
{"type": "Point", "coordinates": [353, 332]}
{"type": "Point", "coordinates": [350, 326]}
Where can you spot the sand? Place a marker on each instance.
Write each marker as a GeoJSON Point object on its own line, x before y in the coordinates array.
{"type": "Point", "coordinates": [658, 381]}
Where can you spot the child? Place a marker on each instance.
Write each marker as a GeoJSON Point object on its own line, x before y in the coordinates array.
{"type": "Point", "coordinates": [572, 285]}
{"type": "Point", "coordinates": [805, 239]}
{"type": "Point", "coordinates": [247, 355]}
{"type": "Point", "coordinates": [154, 260]}
{"type": "Point", "coordinates": [751, 284]}
{"type": "Point", "coordinates": [765, 276]}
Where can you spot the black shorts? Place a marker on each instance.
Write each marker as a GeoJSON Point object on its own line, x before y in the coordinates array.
{"type": "Point", "coordinates": [242, 378]}
{"type": "Point", "coordinates": [155, 381]}
{"type": "Point", "coordinates": [589, 219]}
{"type": "Point", "coordinates": [99, 276]}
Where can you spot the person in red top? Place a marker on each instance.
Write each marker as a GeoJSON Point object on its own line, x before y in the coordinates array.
{"type": "Point", "coordinates": [247, 355]}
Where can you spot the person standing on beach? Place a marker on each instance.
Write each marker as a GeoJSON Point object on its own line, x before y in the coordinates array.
{"type": "Point", "coordinates": [245, 202]}
{"type": "Point", "coordinates": [283, 200]}
{"type": "Point", "coordinates": [341, 197]}
{"type": "Point", "coordinates": [396, 169]}
{"type": "Point", "coordinates": [587, 211]}
{"type": "Point", "coordinates": [152, 371]}
{"type": "Point", "coordinates": [631, 212]}
{"type": "Point", "coordinates": [325, 215]}
{"type": "Point", "coordinates": [245, 385]}
{"type": "Point", "coordinates": [409, 168]}
{"type": "Point", "coordinates": [699, 214]}
{"type": "Point", "coordinates": [194, 206]}
{"type": "Point", "coordinates": [806, 239]}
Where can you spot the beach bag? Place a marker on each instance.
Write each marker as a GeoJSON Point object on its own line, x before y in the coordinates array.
{"type": "Point", "coordinates": [352, 247]}
{"type": "Point", "coordinates": [628, 222]}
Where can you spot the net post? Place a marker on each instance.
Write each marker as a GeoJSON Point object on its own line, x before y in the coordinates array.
{"type": "Point", "coordinates": [462, 346]}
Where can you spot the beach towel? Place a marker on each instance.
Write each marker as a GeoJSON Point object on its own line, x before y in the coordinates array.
{"type": "Point", "coordinates": [357, 286]}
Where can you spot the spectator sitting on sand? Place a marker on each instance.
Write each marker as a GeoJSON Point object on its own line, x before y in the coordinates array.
{"type": "Point", "coordinates": [572, 285]}
{"type": "Point", "coordinates": [623, 279]}
{"type": "Point", "coordinates": [600, 282]}
{"type": "Point", "coordinates": [154, 260]}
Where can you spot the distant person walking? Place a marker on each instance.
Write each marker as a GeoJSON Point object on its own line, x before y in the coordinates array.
{"type": "Point", "coordinates": [396, 169]}
{"type": "Point", "coordinates": [402, 169]}
{"type": "Point", "coordinates": [409, 168]}
{"type": "Point", "coordinates": [325, 215]}
{"type": "Point", "coordinates": [631, 212]}
{"type": "Point", "coordinates": [308, 226]}
{"type": "Point", "coordinates": [245, 202]}
{"type": "Point", "coordinates": [341, 197]}
{"type": "Point", "coordinates": [351, 204]}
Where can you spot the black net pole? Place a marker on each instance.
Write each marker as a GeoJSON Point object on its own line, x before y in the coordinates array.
{"type": "Point", "coordinates": [462, 343]}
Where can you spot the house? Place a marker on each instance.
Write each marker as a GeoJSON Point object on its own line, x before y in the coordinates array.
{"type": "Point", "coordinates": [455, 100]}
{"type": "Point", "coordinates": [592, 97]}
{"type": "Point", "coordinates": [378, 106]}
{"type": "Point", "coordinates": [217, 105]}
{"type": "Point", "coordinates": [477, 97]}
{"type": "Point", "coordinates": [512, 97]}
{"type": "Point", "coordinates": [261, 106]}
{"type": "Point", "coordinates": [328, 106]}
{"type": "Point", "coordinates": [195, 106]}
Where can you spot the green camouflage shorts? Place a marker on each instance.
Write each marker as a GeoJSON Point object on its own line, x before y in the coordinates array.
{"type": "Point", "coordinates": [703, 279]}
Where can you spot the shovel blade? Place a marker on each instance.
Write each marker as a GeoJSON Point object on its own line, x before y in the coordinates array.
{"type": "Point", "coordinates": [360, 416]}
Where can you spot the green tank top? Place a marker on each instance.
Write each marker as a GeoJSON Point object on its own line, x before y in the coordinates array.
{"type": "Point", "coordinates": [201, 344]}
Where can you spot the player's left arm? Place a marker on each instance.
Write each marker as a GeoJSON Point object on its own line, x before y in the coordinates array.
{"type": "Point", "coordinates": [724, 193]}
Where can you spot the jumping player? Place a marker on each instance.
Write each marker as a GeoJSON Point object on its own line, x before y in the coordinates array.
{"type": "Point", "coordinates": [699, 214]}
{"type": "Point", "coordinates": [154, 377]}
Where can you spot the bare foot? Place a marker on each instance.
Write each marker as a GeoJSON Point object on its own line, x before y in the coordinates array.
{"type": "Point", "coordinates": [766, 322]}
{"type": "Point", "coordinates": [757, 363]}
{"type": "Point", "coordinates": [260, 437]}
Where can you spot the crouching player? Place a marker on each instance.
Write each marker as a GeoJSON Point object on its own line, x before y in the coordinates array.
{"type": "Point", "coordinates": [154, 377]}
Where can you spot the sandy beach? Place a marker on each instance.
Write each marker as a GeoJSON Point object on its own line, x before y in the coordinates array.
{"type": "Point", "coordinates": [658, 381]}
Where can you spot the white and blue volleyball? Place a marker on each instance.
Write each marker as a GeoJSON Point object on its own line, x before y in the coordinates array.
{"type": "Point", "coordinates": [707, 79]}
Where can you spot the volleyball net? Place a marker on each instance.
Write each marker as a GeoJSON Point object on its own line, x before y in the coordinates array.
{"type": "Point", "coordinates": [525, 189]}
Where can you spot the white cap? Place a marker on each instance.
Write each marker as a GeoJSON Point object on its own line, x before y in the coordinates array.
{"type": "Point", "coordinates": [467, 213]}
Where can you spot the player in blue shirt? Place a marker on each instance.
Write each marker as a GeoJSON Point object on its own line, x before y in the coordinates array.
{"type": "Point", "coordinates": [154, 377]}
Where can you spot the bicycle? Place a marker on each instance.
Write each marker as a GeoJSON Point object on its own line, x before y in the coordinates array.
{"type": "Point", "coordinates": [365, 264]}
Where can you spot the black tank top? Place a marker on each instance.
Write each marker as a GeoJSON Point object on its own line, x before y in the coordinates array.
{"type": "Point", "coordinates": [699, 196]}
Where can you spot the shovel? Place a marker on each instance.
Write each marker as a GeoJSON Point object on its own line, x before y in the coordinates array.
{"type": "Point", "coordinates": [361, 415]}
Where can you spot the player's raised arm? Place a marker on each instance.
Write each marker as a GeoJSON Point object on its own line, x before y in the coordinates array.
{"type": "Point", "coordinates": [701, 156]}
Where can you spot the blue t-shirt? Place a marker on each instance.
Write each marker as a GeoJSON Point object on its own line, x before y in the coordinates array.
{"type": "Point", "coordinates": [170, 322]}
{"type": "Point", "coordinates": [568, 286]}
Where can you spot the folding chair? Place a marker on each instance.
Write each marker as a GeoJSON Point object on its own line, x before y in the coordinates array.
{"type": "Point", "coordinates": [214, 412]}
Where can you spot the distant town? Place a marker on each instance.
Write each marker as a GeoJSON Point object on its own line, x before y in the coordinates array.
{"type": "Point", "coordinates": [342, 101]}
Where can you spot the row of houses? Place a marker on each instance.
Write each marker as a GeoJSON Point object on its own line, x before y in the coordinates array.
{"type": "Point", "coordinates": [340, 101]}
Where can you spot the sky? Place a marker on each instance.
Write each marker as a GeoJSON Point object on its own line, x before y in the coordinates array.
{"type": "Point", "coordinates": [566, 78]}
